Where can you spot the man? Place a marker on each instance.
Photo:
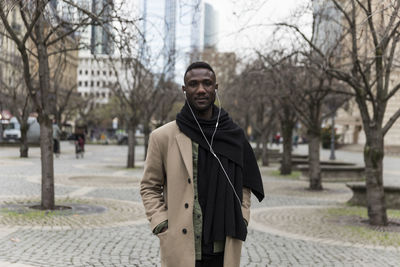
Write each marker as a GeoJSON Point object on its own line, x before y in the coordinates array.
{"type": "Point", "coordinates": [198, 177]}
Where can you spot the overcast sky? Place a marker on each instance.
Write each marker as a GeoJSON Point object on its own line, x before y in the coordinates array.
{"type": "Point", "coordinates": [245, 25]}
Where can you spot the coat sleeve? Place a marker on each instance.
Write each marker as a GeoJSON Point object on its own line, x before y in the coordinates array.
{"type": "Point", "coordinates": [152, 185]}
{"type": "Point", "coordinates": [246, 201]}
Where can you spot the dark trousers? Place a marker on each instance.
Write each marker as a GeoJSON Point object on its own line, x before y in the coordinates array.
{"type": "Point", "coordinates": [56, 146]}
{"type": "Point", "coordinates": [215, 261]}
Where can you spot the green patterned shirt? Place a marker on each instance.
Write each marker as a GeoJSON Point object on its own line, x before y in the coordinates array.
{"type": "Point", "coordinates": [197, 214]}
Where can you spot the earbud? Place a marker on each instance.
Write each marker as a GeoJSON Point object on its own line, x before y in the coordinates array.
{"type": "Point", "coordinates": [184, 92]}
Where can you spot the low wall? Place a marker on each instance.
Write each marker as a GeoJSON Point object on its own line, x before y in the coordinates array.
{"type": "Point", "coordinates": [336, 173]}
{"type": "Point", "coordinates": [392, 195]}
{"type": "Point", "coordinates": [299, 161]}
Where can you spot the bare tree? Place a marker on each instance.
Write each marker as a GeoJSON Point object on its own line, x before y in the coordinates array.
{"type": "Point", "coordinates": [43, 34]}
{"type": "Point", "coordinates": [264, 106]}
{"type": "Point", "coordinates": [363, 55]}
{"type": "Point", "coordinates": [167, 93]}
{"type": "Point", "coordinates": [18, 102]}
{"type": "Point", "coordinates": [283, 81]}
{"type": "Point", "coordinates": [63, 88]}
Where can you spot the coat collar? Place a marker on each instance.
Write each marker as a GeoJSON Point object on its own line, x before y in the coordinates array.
{"type": "Point", "coordinates": [185, 147]}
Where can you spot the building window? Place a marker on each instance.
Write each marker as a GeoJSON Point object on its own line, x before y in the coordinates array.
{"type": "Point", "coordinates": [80, 83]}
{"type": "Point", "coordinates": [98, 72]}
{"type": "Point", "coordinates": [98, 83]}
{"type": "Point", "coordinates": [109, 94]}
{"type": "Point", "coordinates": [92, 72]}
{"type": "Point", "coordinates": [104, 73]}
{"type": "Point", "coordinates": [85, 94]}
{"type": "Point", "coordinates": [103, 95]}
{"type": "Point", "coordinates": [116, 73]}
{"type": "Point", "coordinates": [79, 94]}
{"type": "Point", "coordinates": [86, 72]}
{"type": "Point", "coordinates": [91, 83]}
{"type": "Point", "coordinates": [97, 94]}
{"type": "Point", "coordinates": [104, 84]}
{"type": "Point", "coordinates": [80, 71]}
{"type": "Point", "coordinates": [110, 73]}
{"type": "Point", "coordinates": [86, 83]}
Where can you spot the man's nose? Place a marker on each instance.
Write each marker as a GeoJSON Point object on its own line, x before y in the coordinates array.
{"type": "Point", "coordinates": [201, 89]}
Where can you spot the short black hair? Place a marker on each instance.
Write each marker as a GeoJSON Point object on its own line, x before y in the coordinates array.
{"type": "Point", "coordinates": [198, 65]}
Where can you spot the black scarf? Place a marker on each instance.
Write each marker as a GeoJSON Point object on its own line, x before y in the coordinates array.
{"type": "Point", "coordinates": [222, 214]}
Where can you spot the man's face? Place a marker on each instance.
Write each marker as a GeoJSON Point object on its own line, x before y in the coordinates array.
{"type": "Point", "coordinates": [200, 88]}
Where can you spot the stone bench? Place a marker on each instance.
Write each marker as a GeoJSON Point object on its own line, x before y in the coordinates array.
{"type": "Point", "coordinates": [392, 195]}
{"type": "Point", "coordinates": [336, 173]}
{"type": "Point", "coordinates": [276, 157]}
{"type": "Point", "coordinates": [299, 161]}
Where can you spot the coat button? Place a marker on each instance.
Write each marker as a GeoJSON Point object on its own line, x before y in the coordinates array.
{"type": "Point", "coordinates": [189, 180]}
{"type": "Point", "coordinates": [186, 205]}
{"type": "Point", "coordinates": [184, 231]}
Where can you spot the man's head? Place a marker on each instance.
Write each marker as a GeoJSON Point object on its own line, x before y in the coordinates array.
{"type": "Point", "coordinates": [200, 86]}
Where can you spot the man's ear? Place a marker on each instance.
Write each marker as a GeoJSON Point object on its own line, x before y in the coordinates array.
{"type": "Point", "coordinates": [216, 86]}
{"type": "Point", "coordinates": [183, 89]}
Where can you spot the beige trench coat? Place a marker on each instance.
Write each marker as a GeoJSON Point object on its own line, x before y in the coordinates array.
{"type": "Point", "coordinates": [167, 187]}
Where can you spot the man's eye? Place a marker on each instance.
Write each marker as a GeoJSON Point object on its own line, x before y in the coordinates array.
{"type": "Point", "coordinates": [192, 84]}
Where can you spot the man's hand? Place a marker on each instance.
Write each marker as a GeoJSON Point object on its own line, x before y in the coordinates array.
{"type": "Point", "coordinates": [161, 228]}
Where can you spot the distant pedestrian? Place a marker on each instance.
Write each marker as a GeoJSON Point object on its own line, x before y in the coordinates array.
{"type": "Point", "coordinates": [56, 139]}
{"type": "Point", "coordinates": [278, 139]}
{"type": "Point", "coordinates": [295, 140]}
{"type": "Point", "coordinates": [79, 145]}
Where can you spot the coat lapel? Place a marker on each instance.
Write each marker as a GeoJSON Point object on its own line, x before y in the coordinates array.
{"type": "Point", "coordinates": [185, 147]}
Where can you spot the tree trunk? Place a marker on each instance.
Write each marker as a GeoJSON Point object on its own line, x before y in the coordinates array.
{"type": "Point", "coordinates": [287, 135]}
{"type": "Point", "coordinates": [373, 158]}
{"type": "Point", "coordinates": [258, 151]}
{"type": "Point", "coordinates": [246, 126]}
{"type": "Point", "coordinates": [314, 162]}
{"type": "Point", "coordinates": [131, 147]}
{"type": "Point", "coordinates": [46, 153]}
{"type": "Point", "coordinates": [23, 148]}
{"type": "Point", "coordinates": [146, 131]}
{"type": "Point", "coordinates": [46, 129]}
{"type": "Point", "coordinates": [265, 154]}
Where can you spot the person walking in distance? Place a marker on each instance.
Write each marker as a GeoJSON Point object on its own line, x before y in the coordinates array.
{"type": "Point", "coordinates": [56, 139]}
{"type": "Point", "coordinates": [199, 174]}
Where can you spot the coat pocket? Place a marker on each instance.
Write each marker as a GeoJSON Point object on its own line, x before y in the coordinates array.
{"type": "Point", "coordinates": [165, 247]}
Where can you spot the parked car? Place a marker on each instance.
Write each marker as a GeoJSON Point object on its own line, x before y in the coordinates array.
{"type": "Point", "coordinates": [122, 137]}
{"type": "Point", "coordinates": [12, 132]}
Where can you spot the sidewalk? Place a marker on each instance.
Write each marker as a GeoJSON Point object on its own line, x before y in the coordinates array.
{"type": "Point", "coordinates": [107, 226]}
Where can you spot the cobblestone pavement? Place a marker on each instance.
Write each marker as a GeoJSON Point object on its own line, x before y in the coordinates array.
{"type": "Point", "coordinates": [120, 235]}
